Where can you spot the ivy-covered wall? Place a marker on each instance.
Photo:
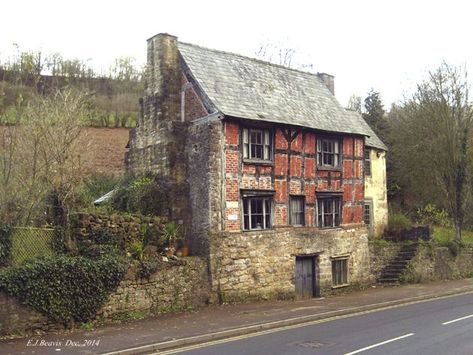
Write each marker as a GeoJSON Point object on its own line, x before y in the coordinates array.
{"type": "Point", "coordinates": [176, 285]}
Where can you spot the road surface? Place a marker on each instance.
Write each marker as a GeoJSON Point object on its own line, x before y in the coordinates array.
{"type": "Point", "coordinates": [443, 326]}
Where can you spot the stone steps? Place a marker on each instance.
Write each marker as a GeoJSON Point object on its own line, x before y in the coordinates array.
{"type": "Point", "coordinates": [394, 270]}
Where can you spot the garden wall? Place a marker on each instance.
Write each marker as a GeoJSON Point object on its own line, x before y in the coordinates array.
{"type": "Point", "coordinates": [431, 262]}
{"type": "Point", "coordinates": [439, 263]}
{"type": "Point", "coordinates": [177, 285]}
{"type": "Point", "coordinates": [85, 225]}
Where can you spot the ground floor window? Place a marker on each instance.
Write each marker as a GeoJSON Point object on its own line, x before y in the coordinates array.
{"type": "Point", "coordinates": [328, 211]}
{"type": "Point", "coordinates": [340, 271]}
{"type": "Point", "coordinates": [367, 214]}
{"type": "Point", "coordinates": [297, 210]}
{"type": "Point", "coordinates": [256, 212]}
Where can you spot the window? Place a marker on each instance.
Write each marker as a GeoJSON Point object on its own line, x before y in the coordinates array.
{"type": "Point", "coordinates": [340, 271]}
{"type": "Point", "coordinates": [367, 214]}
{"type": "Point", "coordinates": [328, 212]}
{"type": "Point", "coordinates": [256, 213]}
{"type": "Point", "coordinates": [257, 144]}
{"type": "Point", "coordinates": [367, 162]}
{"type": "Point", "coordinates": [328, 152]}
{"type": "Point", "coordinates": [296, 208]}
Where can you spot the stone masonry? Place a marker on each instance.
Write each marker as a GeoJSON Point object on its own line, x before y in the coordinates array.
{"type": "Point", "coordinates": [183, 135]}
{"type": "Point", "coordinates": [261, 264]}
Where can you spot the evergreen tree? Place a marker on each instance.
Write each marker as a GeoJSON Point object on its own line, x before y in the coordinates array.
{"type": "Point", "coordinates": [374, 113]}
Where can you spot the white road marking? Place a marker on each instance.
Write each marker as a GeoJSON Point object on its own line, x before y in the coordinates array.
{"type": "Point", "coordinates": [457, 320]}
{"type": "Point", "coordinates": [379, 344]}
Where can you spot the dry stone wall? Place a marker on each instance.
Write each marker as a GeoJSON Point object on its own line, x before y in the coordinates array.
{"type": "Point", "coordinates": [177, 285]}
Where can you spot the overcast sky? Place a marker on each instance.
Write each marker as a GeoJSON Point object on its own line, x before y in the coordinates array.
{"type": "Point", "coordinates": [385, 45]}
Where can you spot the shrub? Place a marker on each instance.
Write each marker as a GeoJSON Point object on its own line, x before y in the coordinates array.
{"type": "Point", "coordinates": [431, 215]}
{"type": "Point", "coordinates": [398, 222]}
{"type": "Point", "coordinates": [147, 268]}
{"type": "Point", "coordinates": [64, 288]}
{"type": "Point", "coordinates": [136, 250]}
{"type": "Point", "coordinates": [147, 195]}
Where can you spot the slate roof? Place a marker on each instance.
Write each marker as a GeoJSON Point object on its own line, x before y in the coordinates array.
{"type": "Point", "coordinates": [248, 88]}
{"type": "Point", "coordinates": [372, 140]}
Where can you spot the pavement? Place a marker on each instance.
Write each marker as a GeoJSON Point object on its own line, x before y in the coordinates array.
{"type": "Point", "coordinates": [223, 321]}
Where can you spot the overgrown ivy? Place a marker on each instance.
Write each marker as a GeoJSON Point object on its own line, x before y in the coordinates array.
{"type": "Point", "coordinates": [5, 245]}
{"type": "Point", "coordinates": [64, 288]}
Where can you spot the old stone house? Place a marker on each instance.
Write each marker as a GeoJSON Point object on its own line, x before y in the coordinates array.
{"type": "Point", "coordinates": [267, 169]}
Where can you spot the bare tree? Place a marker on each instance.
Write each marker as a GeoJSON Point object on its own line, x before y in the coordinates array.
{"type": "Point", "coordinates": [354, 103]}
{"type": "Point", "coordinates": [432, 139]}
{"type": "Point", "coordinates": [42, 155]}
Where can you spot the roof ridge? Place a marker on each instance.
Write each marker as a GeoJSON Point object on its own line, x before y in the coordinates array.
{"type": "Point", "coordinates": [261, 61]}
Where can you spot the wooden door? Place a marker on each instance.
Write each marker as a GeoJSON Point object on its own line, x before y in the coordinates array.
{"type": "Point", "coordinates": [305, 279]}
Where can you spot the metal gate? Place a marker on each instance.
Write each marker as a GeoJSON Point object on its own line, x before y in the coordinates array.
{"type": "Point", "coordinates": [306, 277]}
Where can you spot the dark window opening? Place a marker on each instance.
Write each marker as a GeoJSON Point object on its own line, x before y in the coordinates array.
{"type": "Point", "coordinates": [257, 144]}
{"type": "Point", "coordinates": [328, 212]}
{"type": "Point", "coordinates": [367, 162]}
{"type": "Point", "coordinates": [256, 213]}
{"type": "Point", "coordinates": [297, 211]}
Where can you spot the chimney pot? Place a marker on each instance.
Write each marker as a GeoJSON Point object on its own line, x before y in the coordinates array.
{"type": "Point", "coordinates": [328, 80]}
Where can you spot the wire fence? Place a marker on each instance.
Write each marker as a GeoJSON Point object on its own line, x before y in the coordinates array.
{"type": "Point", "coordinates": [29, 243]}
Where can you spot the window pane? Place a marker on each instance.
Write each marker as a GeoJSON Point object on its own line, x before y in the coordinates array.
{"type": "Point", "coordinates": [266, 153]}
{"type": "Point", "coordinates": [258, 151]}
{"type": "Point", "coordinates": [266, 137]}
{"type": "Point", "coordinates": [245, 143]}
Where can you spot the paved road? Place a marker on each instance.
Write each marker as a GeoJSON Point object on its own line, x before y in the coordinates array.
{"type": "Point", "coordinates": [438, 327]}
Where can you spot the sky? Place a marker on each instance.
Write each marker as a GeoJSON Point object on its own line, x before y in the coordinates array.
{"type": "Point", "coordinates": [388, 46]}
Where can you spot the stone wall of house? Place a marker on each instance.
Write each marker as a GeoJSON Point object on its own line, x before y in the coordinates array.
{"type": "Point", "coordinates": [204, 151]}
{"type": "Point", "coordinates": [158, 143]}
{"type": "Point", "coordinates": [177, 285]}
{"type": "Point", "coordinates": [376, 192]}
{"type": "Point", "coordinates": [261, 264]}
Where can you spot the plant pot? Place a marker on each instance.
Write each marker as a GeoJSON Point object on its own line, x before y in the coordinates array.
{"type": "Point", "coordinates": [185, 251]}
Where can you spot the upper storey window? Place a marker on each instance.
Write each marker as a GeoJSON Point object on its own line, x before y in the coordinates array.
{"type": "Point", "coordinates": [329, 152]}
{"type": "Point", "coordinates": [257, 144]}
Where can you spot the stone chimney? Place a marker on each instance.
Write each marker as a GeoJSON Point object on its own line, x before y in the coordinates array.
{"type": "Point", "coordinates": [163, 75]}
{"type": "Point", "coordinates": [158, 142]}
{"type": "Point", "coordinates": [328, 80]}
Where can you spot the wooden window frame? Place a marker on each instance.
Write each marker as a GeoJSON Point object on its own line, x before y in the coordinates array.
{"type": "Point", "coordinates": [322, 213]}
{"type": "Point", "coordinates": [255, 149]}
{"type": "Point", "coordinates": [329, 149]}
{"type": "Point", "coordinates": [368, 204]}
{"type": "Point", "coordinates": [340, 271]}
{"type": "Point", "coordinates": [300, 199]}
{"type": "Point", "coordinates": [267, 217]}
